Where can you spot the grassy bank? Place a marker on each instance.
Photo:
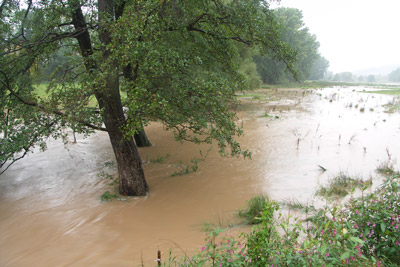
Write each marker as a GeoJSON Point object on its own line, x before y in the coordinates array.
{"type": "Point", "coordinates": [363, 231]}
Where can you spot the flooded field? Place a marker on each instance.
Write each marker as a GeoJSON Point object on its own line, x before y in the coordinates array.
{"type": "Point", "coordinates": [50, 208]}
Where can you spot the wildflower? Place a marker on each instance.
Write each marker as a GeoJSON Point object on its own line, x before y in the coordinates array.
{"type": "Point", "coordinates": [229, 260]}
{"type": "Point", "coordinates": [203, 248]}
{"type": "Point", "coordinates": [322, 232]}
{"type": "Point", "coordinates": [378, 264]}
{"type": "Point", "coordinates": [334, 232]}
{"type": "Point", "coordinates": [327, 254]}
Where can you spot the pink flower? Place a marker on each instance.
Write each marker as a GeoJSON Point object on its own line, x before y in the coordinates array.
{"type": "Point", "coordinates": [334, 232]}
{"type": "Point", "coordinates": [327, 254]}
{"type": "Point", "coordinates": [322, 232]}
{"type": "Point", "coordinates": [229, 260]}
{"type": "Point", "coordinates": [203, 248]}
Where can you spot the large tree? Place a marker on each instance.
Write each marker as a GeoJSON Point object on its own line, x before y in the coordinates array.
{"type": "Point", "coordinates": [127, 62]}
{"type": "Point", "coordinates": [297, 35]}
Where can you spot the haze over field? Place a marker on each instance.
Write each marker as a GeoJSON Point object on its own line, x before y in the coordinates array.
{"type": "Point", "coordinates": [359, 36]}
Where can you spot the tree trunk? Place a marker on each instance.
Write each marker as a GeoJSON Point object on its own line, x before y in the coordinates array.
{"type": "Point", "coordinates": [141, 139]}
{"type": "Point", "coordinates": [130, 170]}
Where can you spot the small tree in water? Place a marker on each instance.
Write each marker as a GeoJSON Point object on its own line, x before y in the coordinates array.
{"type": "Point", "coordinates": [127, 62]}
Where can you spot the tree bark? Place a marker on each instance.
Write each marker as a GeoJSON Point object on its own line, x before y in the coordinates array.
{"type": "Point", "coordinates": [130, 169]}
{"type": "Point", "coordinates": [131, 176]}
{"type": "Point", "coordinates": [141, 139]}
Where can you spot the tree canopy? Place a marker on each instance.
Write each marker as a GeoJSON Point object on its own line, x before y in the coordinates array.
{"type": "Point", "coordinates": [309, 63]}
{"type": "Point", "coordinates": [125, 63]}
{"type": "Point", "coordinates": [394, 76]}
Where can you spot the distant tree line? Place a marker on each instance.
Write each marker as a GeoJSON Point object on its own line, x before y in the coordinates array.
{"type": "Point", "coordinates": [394, 76]}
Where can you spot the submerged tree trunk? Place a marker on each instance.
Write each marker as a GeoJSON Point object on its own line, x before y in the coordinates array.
{"type": "Point", "coordinates": [130, 170]}
{"type": "Point", "coordinates": [141, 139]}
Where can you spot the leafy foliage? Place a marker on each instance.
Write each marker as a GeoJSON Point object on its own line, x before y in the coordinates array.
{"type": "Point", "coordinates": [125, 63]}
{"type": "Point", "coordinates": [309, 62]}
{"type": "Point", "coordinates": [254, 209]}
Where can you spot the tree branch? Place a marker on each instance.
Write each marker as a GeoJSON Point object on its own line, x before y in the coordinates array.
{"type": "Point", "coordinates": [3, 4]}
{"type": "Point", "coordinates": [54, 111]}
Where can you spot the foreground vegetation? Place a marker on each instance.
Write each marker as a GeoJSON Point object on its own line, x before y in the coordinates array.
{"type": "Point", "coordinates": [365, 231]}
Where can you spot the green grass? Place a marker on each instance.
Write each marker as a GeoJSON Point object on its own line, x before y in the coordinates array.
{"type": "Point", "coordinates": [107, 196]}
{"type": "Point", "coordinates": [386, 168]}
{"type": "Point", "coordinates": [386, 91]}
{"type": "Point", "coordinates": [41, 92]}
{"type": "Point", "coordinates": [254, 208]}
{"type": "Point", "coordinates": [159, 158]}
{"type": "Point", "coordinates": [41, 89]}
{"type": "Point", "coordinates": [341, 186]}
{"type": "Point", "coordinates": [294, 204]}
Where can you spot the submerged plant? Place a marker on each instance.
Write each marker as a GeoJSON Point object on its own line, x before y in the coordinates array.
{"type": "Point", "coordinates": [254, 208]}
{"type": "Point", "coordinates": [341, 186]}
{"type": "Point", "coordinates": [107, 196]}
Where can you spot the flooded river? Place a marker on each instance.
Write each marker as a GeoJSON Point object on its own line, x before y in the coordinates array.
{"type": "Point", "coordinates": [50, 208]}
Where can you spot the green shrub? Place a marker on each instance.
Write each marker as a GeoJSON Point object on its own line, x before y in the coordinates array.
{"type": "Point", "coordinates": [255, 206]}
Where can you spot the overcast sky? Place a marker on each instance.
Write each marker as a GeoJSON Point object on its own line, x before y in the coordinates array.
{"type": "Point", "coordinates": [353, 34]}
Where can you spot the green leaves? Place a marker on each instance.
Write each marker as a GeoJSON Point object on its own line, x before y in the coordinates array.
{"type": "Point", "coordinates": [294, 33]}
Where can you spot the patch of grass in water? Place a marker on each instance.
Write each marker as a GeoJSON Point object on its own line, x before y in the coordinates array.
{"type": "Point", "coordinates": [341, 186]}
{"type": "Point", "coordinates": [294, 204]}
{"type": "Point", "coordinates": [254, 208]}
{"type": "Point", "coordinates": [266, 115]}
{"type": "Point", "coordinates": [386, 168]}
{"type": "Point", "coordinates": [386, 91]}
{"type": "Point", "coordinates": [107, 196]}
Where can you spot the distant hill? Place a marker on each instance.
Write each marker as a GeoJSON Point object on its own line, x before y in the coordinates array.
{"type": "Point", "coordinates": [381, 70]}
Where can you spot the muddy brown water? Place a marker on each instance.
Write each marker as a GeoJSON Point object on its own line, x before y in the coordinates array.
{"type": "Point", "coordinates": [51, 215]}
